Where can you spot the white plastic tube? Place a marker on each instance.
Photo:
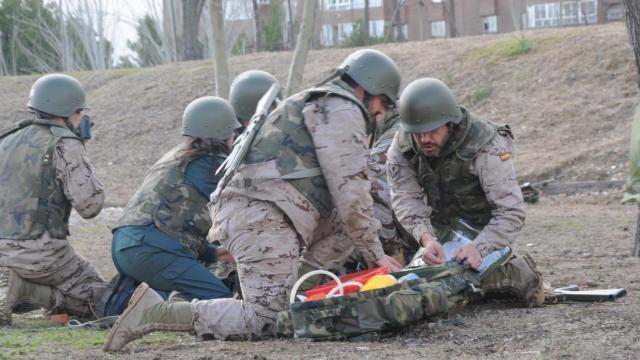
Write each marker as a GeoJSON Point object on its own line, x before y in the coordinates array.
{"type": "Point", "coordinates": [294, 290]}
{"type": "Point", "coordinates": [341, 287]}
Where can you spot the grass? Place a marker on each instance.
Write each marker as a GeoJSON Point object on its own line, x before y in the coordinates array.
{"type": "Point", "coordinates": [520, 44]}
{"type": "Point", "coordinates": [30, 336]}
{"type": "Point", "coordinates": [483, 92]}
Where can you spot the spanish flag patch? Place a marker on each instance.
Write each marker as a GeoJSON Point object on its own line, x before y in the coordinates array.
{"type": "Point", "coordinates": [505, 156]}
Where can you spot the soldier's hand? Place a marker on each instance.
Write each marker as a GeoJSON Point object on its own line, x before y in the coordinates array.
{"type": "Point", "coordinates": [433, 251]}
{"type": "Point", "coordinates": [224, 255]}
{"type": "Point", "coordinates": [389, 262]}
{"type": "Point", "coordinates": [469, 255]}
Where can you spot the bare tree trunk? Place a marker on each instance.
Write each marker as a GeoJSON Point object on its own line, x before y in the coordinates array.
{"type": "Point", "coordinates": [451, 17]}
{"type": "Point", "coordinates": [191, 11]}
{"type": "Point", "coordinates": [636, 247]}
{"type": "Point", "coordinates": [290, 30]}
{"type": "Point", "coordinates": [256, 26]}
{"type": "Point", "coordinates": [365, 30]}
{"type": "Point", "coordinates": [3, 63]}
{"type": "Point", "coordinates": [633, 27]}
{"type": "Point", "coordinates": [174, 31]}
{"type": "Point", "coordinates": [219, 48]}
{"type": "Point", "coordinates": [296, 71]}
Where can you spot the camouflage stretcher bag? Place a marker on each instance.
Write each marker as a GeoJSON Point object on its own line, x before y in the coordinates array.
{"type": "Point", "coordinates": [380, 310]}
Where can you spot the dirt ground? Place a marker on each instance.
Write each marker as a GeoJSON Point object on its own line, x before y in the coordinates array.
{"type": "Point", "coordinates": [584, 240]}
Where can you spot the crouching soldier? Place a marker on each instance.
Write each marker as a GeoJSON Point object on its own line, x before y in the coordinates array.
{"type": "Point", "coordinates": [302, 182]}
{"type": "Point", "coordinates": [246, 91]}
{"type": "Point", "coordinates": [162, 235]}
{"type": "Point", "coordinates": [463, 166]}
{"type": "Point", "coordinates": [44, 172]}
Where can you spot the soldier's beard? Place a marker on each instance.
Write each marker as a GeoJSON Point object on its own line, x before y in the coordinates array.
{"type": "Point", "coordinates": [431, 149]}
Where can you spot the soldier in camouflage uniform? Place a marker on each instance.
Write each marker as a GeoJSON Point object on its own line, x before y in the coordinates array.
{"type": "Point", "coordinates": [161, 237]}
{"type": "Point", "coordinates": [462, 165]}
{"type": "Point", "coordinates": [44, 172]}
{"type": "Point", "coordinates": [246, 90]}
{"type": "Point", "coordinates": [395, 240]}
{"type": "Point", "coordinates": [303, 182]}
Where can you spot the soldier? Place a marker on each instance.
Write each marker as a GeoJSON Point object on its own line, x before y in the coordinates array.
{"type": "Point", "coordinates": [463, 166]}
{"type": "Point", "coordinates": [161, 237]}
{"type": "Point", "coordinates": [44, 172]}
{"type": "Point", "coordinates": [395, 240]}
{"type": "Point", "coordinates": [246, 90]}
{"type": "Point", "coordinates": [303, 182]}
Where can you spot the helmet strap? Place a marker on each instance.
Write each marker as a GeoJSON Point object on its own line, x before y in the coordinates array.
{"type": "Point", "coordinates": [67, 122]}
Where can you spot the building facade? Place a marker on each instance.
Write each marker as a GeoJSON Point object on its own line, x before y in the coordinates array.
{"type": "Point", "coordinates": [401, 20]}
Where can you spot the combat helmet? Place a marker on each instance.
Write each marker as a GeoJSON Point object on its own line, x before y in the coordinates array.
{"type": "Point", "coordinates": [427, 104]}
{"type": "Point", "coordinates": [209, 117]}
{"type": "Point", "coordinates": [247, 89]}
{"type": "Point", "coordinates": [58, 95]}
{"type": "Point", "coordinates": [376, 72]}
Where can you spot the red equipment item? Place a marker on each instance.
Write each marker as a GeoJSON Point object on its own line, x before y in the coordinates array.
{"type": "Point", "coordinates": [320, 291]}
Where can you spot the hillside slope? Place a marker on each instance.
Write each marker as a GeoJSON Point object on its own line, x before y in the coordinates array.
{"type": "Point", "coordinates": [569, 99]}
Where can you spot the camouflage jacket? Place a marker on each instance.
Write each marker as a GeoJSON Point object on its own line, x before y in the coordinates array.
{"type": "Point", "coordinates": [42, 167]}
{"type": "Point", "coordinates": [310, 159]}
{"type": "Point", "coordinates": [473, 179]}
{"type": "Point", "coordinates": [384, 134]}
{"type": "Point", "coordinates": [176, 208]}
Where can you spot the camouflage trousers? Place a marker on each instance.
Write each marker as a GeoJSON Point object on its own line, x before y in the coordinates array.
{"type": "Point", "coordinates": [77, 286]}
{"type": "Point", "coordinates": [518, 278]}
{"type": "Point", "coordinates": [266, 249]}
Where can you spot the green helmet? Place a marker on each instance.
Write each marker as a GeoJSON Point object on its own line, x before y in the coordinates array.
{"type": "Point", "coordinates": [247, 89]}
{"type": "Point", "coordinates": [57, 94]}
{"type": "Point", "coordinates": [377, 73]}
{"type": "Point", "coordinates": [209, 117]}
{"type": "Point", "coordinates": [427, 104]}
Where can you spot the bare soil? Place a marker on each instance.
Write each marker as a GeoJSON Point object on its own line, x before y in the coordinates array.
{"type": "Point", "coordinates": [584, 240]}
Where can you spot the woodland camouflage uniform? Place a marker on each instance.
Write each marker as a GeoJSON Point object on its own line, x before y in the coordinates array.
{"type": "Point", "coordinates": [473, 178]}
{"type": "Point", "coordinates": [44, 173]}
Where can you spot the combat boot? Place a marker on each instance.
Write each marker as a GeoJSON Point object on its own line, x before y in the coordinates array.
{"type": "Point", "coordinates": [20, 291]}
{"type": "Point", "coordinates": [148, 312]}
{"type": "Point", "coordinates": [519, 278]}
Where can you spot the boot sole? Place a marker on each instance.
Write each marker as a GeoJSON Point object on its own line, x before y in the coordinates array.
{"type": "Point", "coordinates": [135, 299]}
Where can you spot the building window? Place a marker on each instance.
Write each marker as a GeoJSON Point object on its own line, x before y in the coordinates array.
{"type": "Point", "coordinates": [562, 13]}
{"type": "Point", "coordinates": [332, 35]}
{"type": "Point", "coordinates": [544, 15]}
{"type": "Point", "coordinates": [359, 4]}
{"type": "Point", "coordinates": [438, 28]}
{"type": "Point", "coordinates": [490, 24]}
{"type": "Point", "coordinates": [333, 5]}
{"type": "Point", "coordinates": [615, 12]}
{"type": "Point", "coordinates": [376, 28]}
{"type": "Point", "coordinates": [579, 12]}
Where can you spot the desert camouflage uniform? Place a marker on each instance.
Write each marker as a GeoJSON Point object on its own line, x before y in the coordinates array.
{"type": "Point", "coordinates": [264, 220]}
{"type": "Point", "coordinates": [42, 254]}
{"type": "Point", "coordinates": [482, 189]}
{"type": "Point", "coordinates": [395, 241]}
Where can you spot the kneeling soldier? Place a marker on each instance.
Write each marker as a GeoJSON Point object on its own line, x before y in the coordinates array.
{"type": "Point", "coordinates": [44, 172]}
